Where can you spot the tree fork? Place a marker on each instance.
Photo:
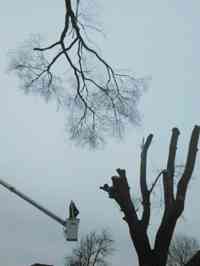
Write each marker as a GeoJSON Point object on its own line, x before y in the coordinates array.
{"type": "Point", "coordinates": [173, 207]}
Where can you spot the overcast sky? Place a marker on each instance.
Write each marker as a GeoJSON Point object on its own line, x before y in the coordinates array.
{"type": "Point", "coordinates": [152, 38]}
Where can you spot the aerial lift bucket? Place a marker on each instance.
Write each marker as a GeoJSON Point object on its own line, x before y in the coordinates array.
{"type": "Point", "coordinates": [71, 224]}
{"type": "Point", "coordinates": [71, 229]}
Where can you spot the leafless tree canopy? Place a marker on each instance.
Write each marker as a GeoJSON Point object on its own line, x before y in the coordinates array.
{"type": "Point", "coordinates": [99, 101]}
{"type": "Point", "coordinates": [174, 201]}
{"type": "Point", "coordinates": [181, 250]}
{"type": "Point", "coordinates": [92, 250]}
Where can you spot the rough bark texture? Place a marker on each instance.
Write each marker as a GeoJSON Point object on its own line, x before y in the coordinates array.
{"type": "Point", "coordinates": [173, 202]}
{"type": "Point", "coordinates": [195, 260]}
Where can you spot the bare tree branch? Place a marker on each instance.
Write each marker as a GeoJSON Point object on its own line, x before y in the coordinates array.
{"type": "Point", "coordinates": [168, 175]}
{"type": "Point", "coordinates": [155, 181]}
{"type": "Point", "coordinates": [143, 182]}
{"type": "Point", "coordinates": [92, 250]}
{"type": "Point", "coordinates": [189, 166]}
{"type": "Point", "coordinates": [172, 213]}
{"type": "Point", "coordinates": [101, 102]}
{"type": "Point", "coordinates": [182, 249]}
{"type": "Point", "coordinates": [119, 191]}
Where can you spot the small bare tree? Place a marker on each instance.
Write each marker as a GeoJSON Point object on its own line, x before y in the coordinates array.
{"type": "Point", "coordinates": [92, 250]}
{"type": "Point", "coordinates": [99, 101]}
{"type": "Point", "coordinates": [174, 202]}
{"type": "Point", "coordinates": [181, 250]}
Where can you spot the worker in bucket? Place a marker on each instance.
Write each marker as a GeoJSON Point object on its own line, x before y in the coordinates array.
{"type": "Point", "coordinates": [72, 223]}
{"type": "Point", "coordinates": [73, 211]}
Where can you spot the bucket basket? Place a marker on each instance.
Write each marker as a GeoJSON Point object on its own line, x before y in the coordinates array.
{"type": "Point", "coordinates": [71, 229]}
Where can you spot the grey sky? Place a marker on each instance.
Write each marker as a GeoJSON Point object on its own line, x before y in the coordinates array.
{"type": "Point", "coordinates": [153, 38]}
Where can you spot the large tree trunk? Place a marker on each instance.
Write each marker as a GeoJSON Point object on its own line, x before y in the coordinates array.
{"type": "Point", "coordinates": [151, 260]}
{"type": "Point", "coordinates": [148, 261]}
{"type": "Point", "coordinates": [174, 201]}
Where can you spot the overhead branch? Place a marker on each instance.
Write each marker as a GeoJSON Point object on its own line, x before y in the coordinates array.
{"type": "Point", "coordinates": [101, 102]}
{"type": "Point", "coordinates": [168, 175]}
{"type": "Point", "coordinates": [143, 182]}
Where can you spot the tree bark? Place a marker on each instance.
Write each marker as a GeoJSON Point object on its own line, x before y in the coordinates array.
{"type": "Point", "coordinates": [195, 260]}
{"type": "Point", "coordinates": [173, 204]}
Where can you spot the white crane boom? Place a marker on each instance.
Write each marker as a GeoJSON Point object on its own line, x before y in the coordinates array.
{"type": "Point", "coordinates": [32, 202]}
